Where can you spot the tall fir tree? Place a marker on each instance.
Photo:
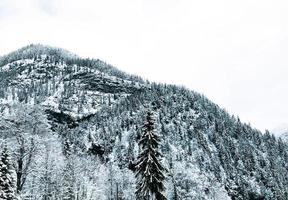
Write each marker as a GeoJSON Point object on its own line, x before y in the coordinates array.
{"type": "Point", "coordinates": [7, 184]}
{"type": "Point", "coordinates": [149, 171]}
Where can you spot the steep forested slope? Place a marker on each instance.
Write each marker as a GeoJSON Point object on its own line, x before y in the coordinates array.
{"type": "Point", "coordinates": [73, 125]}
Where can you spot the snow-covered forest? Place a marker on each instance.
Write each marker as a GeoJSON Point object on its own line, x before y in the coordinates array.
{"type": "Point", "coordinates": [80, 129]}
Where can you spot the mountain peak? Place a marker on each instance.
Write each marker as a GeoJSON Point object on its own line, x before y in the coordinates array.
{"type": "Point", "coordinates": [34, 50]}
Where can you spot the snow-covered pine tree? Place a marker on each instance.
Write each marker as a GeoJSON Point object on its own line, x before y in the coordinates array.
{"type": "Point", "coordinates": [7, 185]}
{"type": "Point", "coordinates": [149, 171]}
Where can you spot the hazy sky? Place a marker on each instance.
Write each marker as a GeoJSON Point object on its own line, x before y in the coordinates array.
{"type": "Point", "coordinates": [234, 52]}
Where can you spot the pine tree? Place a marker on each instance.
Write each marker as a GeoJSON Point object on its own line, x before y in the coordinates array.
{"type": "Point", "coordinates": [149, 171]}
{"type": "Point", "coordinates": [7, 185]}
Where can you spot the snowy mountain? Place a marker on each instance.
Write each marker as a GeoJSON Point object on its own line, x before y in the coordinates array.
{"type": "Point", "coordinates": [281, 132]}
{"type": "Point", "coordinates": [73, 128]}
{"type": "Point", "coordinates": [284, 136]}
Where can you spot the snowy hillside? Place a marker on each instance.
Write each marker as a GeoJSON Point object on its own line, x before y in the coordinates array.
{"type": "Point", "coordinates": [74, 129]}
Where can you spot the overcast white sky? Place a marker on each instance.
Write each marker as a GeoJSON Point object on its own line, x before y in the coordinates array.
{"type": "Point", "coordinates": [234, 52]}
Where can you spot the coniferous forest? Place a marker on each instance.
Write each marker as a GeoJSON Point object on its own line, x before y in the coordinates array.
{"type": "Point", "coordinates": [80, 129]}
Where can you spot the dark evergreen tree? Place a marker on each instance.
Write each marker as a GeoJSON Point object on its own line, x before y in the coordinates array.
{"type": "Point", "coordinates": [7, 185]}
{"type": "Point", "coordinates": [149, 171]}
